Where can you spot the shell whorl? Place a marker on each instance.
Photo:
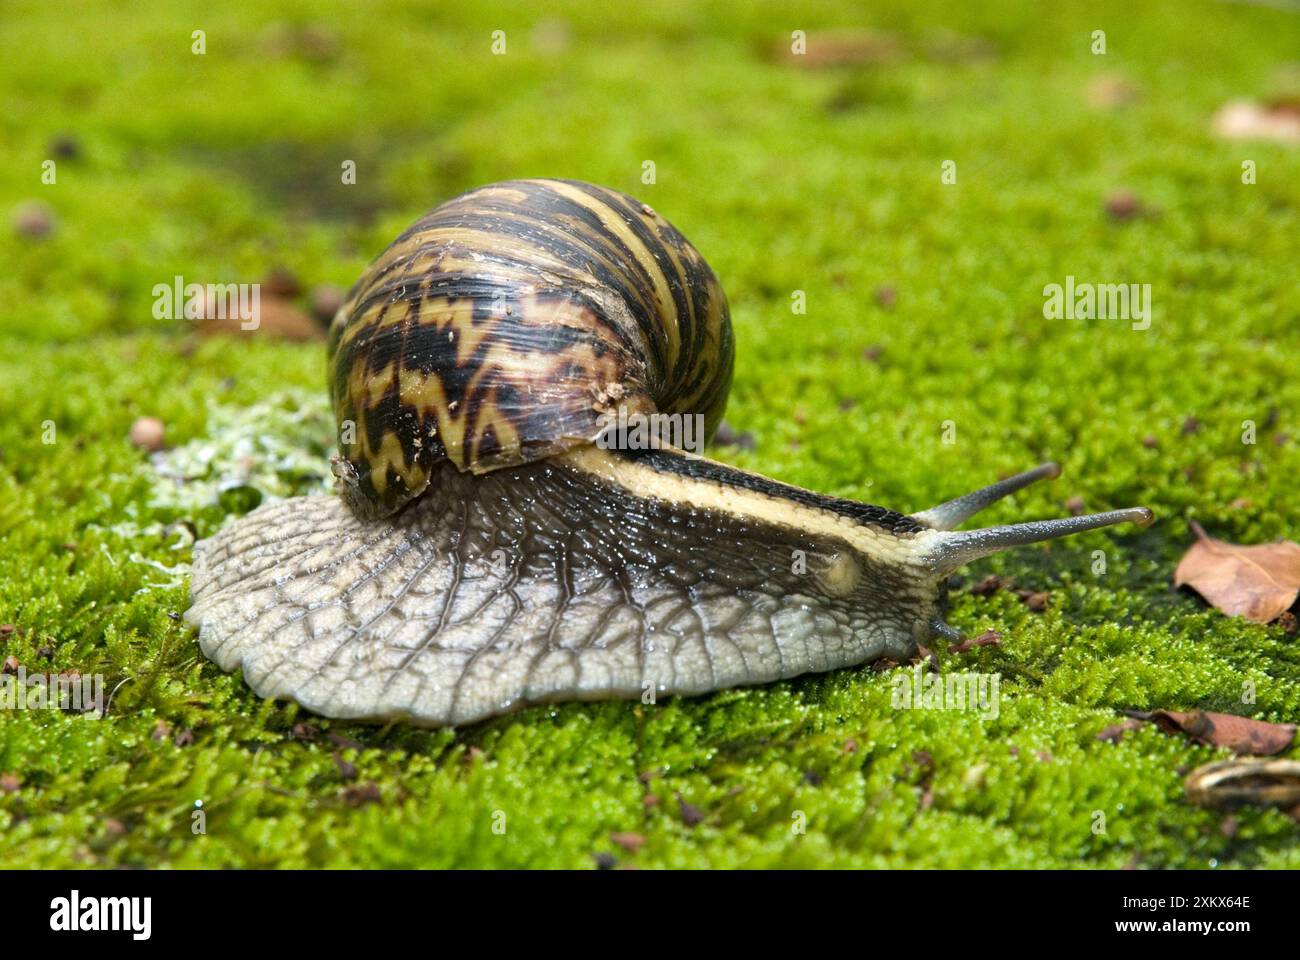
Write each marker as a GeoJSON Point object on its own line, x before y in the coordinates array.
{"type": "Point", "coordinates": [503, 325]}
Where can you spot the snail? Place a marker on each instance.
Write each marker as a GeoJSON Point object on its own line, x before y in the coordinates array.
{"type": "Point", "coordinates": [487, 551]}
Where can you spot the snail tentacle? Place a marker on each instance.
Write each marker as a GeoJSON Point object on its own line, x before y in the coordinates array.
{"type": "Point", "coordinates": [952, 513]}
{"type": "Point", "coordinates": [956, 549]}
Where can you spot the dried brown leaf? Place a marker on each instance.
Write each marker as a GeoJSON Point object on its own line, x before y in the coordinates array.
{"type": "Point", "coordinates": [1258, 582]}
{"type": "Point", "coordinates": [986, 639]}
{"type": "Point", "coordinates": [1239, 734]}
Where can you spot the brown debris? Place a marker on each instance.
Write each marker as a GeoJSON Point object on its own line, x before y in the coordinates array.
{"type": "Point", "coordinates": [1235, 783]}
{"type": "Point", "coordinates": [1035, 600]}
{"type": "Point", "coordinates": [1278, 121]}
{"type": "Point", "coordinates": [838, 48]}
{"type": "Point", "coordinates": [147, 433]}
{"type": "Point", "coordinates": [1258, 582]}
{"type": "Point", "coordinates": [276, 318]}
{"type": "Point", "coordinates": [1110, 91]}
{"type": "Point", "coordinates": [281, 282]}
{"type": "Point", "coordinates": [360, 795]}
{"type": "Point", "coordinates": [1113, 734]}
{"type": "Point", "coordinates": [1242, 735]}
{"type": "Point", "coordinates": [989, 585]}
{"type": "Point", "coordinates": [691, 814]}
{"type": "Point", "coordinates": [1124, 205]}
{"type": "Point", "coordinates": [348, 771]}
{"type": "Point", "coordinates": [631, 842]}
{"type": "Point", "coordinates": [34, 220]}
{"type": "Point", "coordinates": [989, 638]}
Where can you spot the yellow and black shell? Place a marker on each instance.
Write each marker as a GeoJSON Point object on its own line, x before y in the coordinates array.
{"type": "Point", "coordinates": [505, 324]}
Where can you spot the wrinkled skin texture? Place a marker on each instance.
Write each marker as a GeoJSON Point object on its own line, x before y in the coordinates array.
{"type": "Point", "coordinates": [533, 584]}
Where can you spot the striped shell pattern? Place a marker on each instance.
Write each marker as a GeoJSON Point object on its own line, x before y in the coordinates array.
{"type": "Point", "coordinates": [502, 326]}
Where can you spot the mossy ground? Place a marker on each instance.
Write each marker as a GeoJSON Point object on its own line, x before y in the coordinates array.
{"type": "Point", "coordinates": [216, 167]}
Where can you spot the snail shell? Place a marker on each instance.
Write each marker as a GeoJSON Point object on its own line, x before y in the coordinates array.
{"type": "Point", "coordinates": [487, 552]}
{"type": "Point", "coordinates": [499, 329]}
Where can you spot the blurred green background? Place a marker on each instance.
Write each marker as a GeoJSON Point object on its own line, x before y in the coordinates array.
{"type": "Point", "coordinates": [820, 174]}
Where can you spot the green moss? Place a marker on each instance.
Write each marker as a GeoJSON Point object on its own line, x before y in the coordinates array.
{"type": "Point", "coordinates": [826, 181]}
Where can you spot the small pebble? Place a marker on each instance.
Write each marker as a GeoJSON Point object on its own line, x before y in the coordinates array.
{"type": "Point", "coordinates": [147, 433]}
{"type": "Point", "coordinates": [33, 219]}
{"type": "Point", "coordinates": [1123, 205]}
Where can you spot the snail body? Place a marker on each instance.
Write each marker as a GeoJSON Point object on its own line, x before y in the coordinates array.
{"type": "Point", "coordinates": [489, 550]}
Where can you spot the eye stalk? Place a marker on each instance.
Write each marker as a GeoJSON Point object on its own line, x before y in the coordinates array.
{"type": "Point", "coordinates": [951, 549]}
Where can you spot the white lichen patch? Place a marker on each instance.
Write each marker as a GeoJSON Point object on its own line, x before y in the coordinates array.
{"type": "Point", "coordinates": [251, 454]}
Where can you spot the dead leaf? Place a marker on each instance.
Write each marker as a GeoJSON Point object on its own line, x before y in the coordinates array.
{"type": "Point", "coordinates": [986, 639]}
{"type": "Point", "coordinates": [348, 771]}
{"type": "Point", "coordinates": [1239, 734]}
{"type": "Point", "coordinates": [1124, 205]}
{"type": "Point", "coordinates": [1258, 582]}
{"type": "Point", "coordinates": [839, 49]}
{"type": "Point", "coordinates": [1247, 120]}
{"type": "Point", "coordinates": [631, 842]}
{"type": "Point", "coordinates": [924, 653]}
{"type": "Point", "coordinates": [1111, 91]}
{"type": "Point", "coordinates": [691, 814]}
{"type": "Point", "coordinates": [1234, 783]}
{"type": "Point", "coordinates": [989, 585]}
{"type": "Point", "coordinates": [359, 796]}
{"type": "Point", "coordinates": [275, 318]}
{"type": "Point", "coordinates": [1035, 600]}
{"type": "Point", "coordinates": [1113, 734]}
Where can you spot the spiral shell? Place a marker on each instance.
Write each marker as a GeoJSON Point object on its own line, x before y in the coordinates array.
{"type": "Point", "coordinates": [503, 325]}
